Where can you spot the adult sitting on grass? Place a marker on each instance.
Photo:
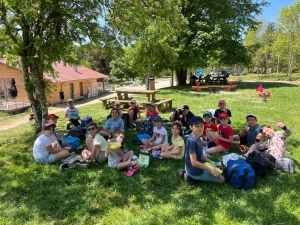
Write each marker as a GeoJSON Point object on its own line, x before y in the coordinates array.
{"type": "Point", "coordinates": [195, 169]}
{"type": "Point", "coordinates": [249, 133]}
{"type": "Point", "coordinates": [96, 145]}
{"type": "Point", "coordinates": [72, 114]}
{"type": "Point", "coordinates": [185, 118]}
{"type": "Point", "coordinates": [126, 118]}
{"type": "Point", "coordinates": [275, 144]}
{"type": "Point", "coordinates": [43, 151]}
{"type": "Point", "coordinates": [113, 125]}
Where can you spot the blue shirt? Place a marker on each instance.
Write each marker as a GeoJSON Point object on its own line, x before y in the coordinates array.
{"type": "Point", "coordinates": [193, 145]}
{"type": "Point", "coordinates": [251, 135]}
{"type": "Point", "coordinates": [112, 125]}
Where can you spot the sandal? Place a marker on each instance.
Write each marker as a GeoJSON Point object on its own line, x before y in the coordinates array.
{"type": "Point", "coordinates": [133, 170]}
{"type": "Point", "coordinates": [83, 164]}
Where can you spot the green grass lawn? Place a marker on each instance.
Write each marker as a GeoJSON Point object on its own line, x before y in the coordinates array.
{"type": "Point", "coordinates": [41, 194]}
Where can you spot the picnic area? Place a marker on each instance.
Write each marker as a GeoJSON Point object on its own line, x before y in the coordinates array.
{"type": "Point", "coordinates": [41, 194]}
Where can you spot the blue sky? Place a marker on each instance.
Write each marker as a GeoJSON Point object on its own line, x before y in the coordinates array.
{"type": "Point", "coordinates": [270, 13]}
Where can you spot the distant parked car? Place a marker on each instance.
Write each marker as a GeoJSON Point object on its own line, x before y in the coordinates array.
{"type": "Point", "coordinates": [213, 74]}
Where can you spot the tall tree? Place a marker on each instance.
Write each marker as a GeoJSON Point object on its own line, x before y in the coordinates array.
{"type": "Point", "coordinates": [42, 33]}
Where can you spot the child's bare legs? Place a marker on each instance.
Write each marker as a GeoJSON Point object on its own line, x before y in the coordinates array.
{"type": "Point", "coordinates": [156, 147]}
{"type": "Point", "coordinates": [164, 147]}
{"type": "Point", "coordinates": [61, 155]}
{"type": "Point", "coordinates": [56, 145]}
{"type": "Point", "coordinates": [216, 149]}
{"type": "Point", "coordinates": [166, 155]}
{"type": "Point", "coordinates": [251, 149]}
{"type": "Point", "coordinates": [126, 161]}
{"type": "Point", "coordinates": [222, 180]}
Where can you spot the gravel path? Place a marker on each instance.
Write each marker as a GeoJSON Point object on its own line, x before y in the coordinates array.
{"type": "Point", "coordinates": [14, 121]}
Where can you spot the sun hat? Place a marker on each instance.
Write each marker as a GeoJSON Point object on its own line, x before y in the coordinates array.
{"type": "Point", "coordinates": [157, 118]}
{"type": "Point", "coordinates": [223, 115]}
{"type": "Point", "coordinates": [150, 103]}
{"type": "Point", "coordinates": [46, 125]}
{"type": "Point", "coordinates": [185, 107]}
{"type": "Point", "coordinates": [222, 101]}
{"type": "Point", "coordinates": [117, 103]}
{"type": "Point", "coordinates": [251, 115]}
{"type": "Point", "coordinates": [52, 116]}
{"type": "Point", "coordinates": [196, 120]}
{"type": "Point", "coordinates": [207, 113]}
{"type": "Point", "coordinates": [70, 100]}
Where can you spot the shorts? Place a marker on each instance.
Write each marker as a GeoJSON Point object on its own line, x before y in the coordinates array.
{"type": "Point", "coordinates": [206, 176]}
{"type": "Point", "coordinates": [48, 159]}
{"type": "Point", "coordinates": [101, 158]}
{"type": "Point", "coordinates": [243, 140]}
{"type": "Point", "coordinates": [116, 167]}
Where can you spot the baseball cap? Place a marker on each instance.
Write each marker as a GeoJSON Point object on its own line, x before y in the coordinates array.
{"type": "Point", "coordinates": [150, 103]}
{"type": "Point", "coordinates": [185, 107]}
{"type": "Point", "coordinates": [207, 113]}
{"type": "Point", "coordinates": [251, 115]}
{"type": "Point", "coordinates": [46, 125]}
{"type": "Point", "coordinates": [196, 120]}
{"type": "Point", "coordinates": [70, 100]}
{"type": "Point", "coordinates": [52, 116]}
{"type": "Point", "coordinates": [222, 101]}
{"type": "Point", "coordinates": [132, 101]}
{"type": "Point", "coordinates": [117, 103]}
{"type": "Point", "coordinates": [157, 118]}
{"type": "Point", "coordinates": [223, 115]}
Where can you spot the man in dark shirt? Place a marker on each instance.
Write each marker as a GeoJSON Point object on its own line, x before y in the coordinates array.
{"type": "Point", "coordinates": [185, 118]}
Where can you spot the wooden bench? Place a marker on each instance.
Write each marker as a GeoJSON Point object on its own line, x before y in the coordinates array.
{"type": "Point", "coordinates": [105, 100]}
{"type": "Point", "coordinates": [163, 104]}
{"type": "Point", "coordinates": [215, 88]}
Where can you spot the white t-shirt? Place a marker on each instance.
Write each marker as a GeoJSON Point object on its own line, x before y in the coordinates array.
{"type": "Point", "coordinates": [39, 147]}
{"type": "Point", "coordinates": [72, 113]}
{"type": "Point", "coordinates": [159, 133]}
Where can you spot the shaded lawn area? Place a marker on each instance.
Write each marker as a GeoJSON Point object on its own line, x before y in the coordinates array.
{"type": "Point", "coordinates": [41, 194]}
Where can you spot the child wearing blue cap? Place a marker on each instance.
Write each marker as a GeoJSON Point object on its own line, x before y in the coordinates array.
{"type": "Point", "coordinates": [159, 137]}
{"type": "Point", "coordinates": [194, 158]}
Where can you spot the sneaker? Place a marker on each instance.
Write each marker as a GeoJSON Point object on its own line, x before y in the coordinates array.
{"type": "Point", "coordinates": [134, 162]}
{"type": "Point", "coordinates": [242, 148]}
{"type": "Point", "coordinates": [188, 179]}
{"type": "Point", "coordinates": [180, 173]}
{"type": "Point", "coordinates": [66, 166]}
{"type": "Point", "coordinates": [134, 124]}
{"type": "Point", "coordinates": [83, 164]}
{"type": "Point", "coordinates": [243, 157]}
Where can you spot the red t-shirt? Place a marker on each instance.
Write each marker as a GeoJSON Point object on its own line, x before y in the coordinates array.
{"type": "Point", "coordinates": [212, 126]}
{"type": "Point", "coordinates": [225, 133]}
{"type": "Point", "coordinates": [152, 115]}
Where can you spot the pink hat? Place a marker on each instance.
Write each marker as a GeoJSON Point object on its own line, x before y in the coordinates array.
{"type": "Point", "coordinates": [117, 103]}
{"type": "Point", "coordinates": [222, 101]}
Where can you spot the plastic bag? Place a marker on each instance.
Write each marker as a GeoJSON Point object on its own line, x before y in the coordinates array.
{"type": "Point", "coordinates": [143, 160]}
{"type": "Point", "coordinates": [231, 156]}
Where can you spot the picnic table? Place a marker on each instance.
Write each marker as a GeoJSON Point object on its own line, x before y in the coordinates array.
{"type": "Point", "coordinates": [123, 94]}
{"type": "Point", "coordinates": [214, 88]}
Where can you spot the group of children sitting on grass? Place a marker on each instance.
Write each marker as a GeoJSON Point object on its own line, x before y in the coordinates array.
{"type": "Point", "coordinates": [207, 135]}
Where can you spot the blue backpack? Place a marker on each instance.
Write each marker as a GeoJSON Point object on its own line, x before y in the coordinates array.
{"type": "Point", "coordinates": [240, 174]}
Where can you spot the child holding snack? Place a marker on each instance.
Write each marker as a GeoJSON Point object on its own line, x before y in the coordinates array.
{"type": "Point", "coordinates": [223, 138]}
{"type": "Point", "coordinates": [222, 109]}
{"type": "Point", "coordinates": [176, 150]}
{"type": "Point", "coordinates": [208, 126]}
{"type": "Point", "coordinates": [116, 157]}
{"type": "Point", "coordinates": [159, 137]}
{"type": "Point", "coordinates": [194, 158]}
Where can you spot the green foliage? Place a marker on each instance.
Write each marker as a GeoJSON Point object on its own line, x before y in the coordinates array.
{"type": "Point", "coordinates": [122, 70]}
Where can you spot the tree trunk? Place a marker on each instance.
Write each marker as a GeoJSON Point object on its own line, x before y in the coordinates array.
{"type": "Point", "coordinates": [172, 78]}
{"type": "Point", "coordinates": [35, 88]}
{"type": "Point", "coordinates": [181, 75]}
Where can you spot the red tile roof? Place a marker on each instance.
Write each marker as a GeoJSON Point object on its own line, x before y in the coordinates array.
{"type": "Point", "coordinates": [67, 73]}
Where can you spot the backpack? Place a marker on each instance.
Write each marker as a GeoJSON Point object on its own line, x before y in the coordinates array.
{"type": "Point", "coordinates": [262, 165]}
{"type": "Point", "coordinates": [147, 126]}
{"type": "Point", "coordinates": [175, 115]}
{"type": "Point", "coordinates": [285, 164]}
{"type": "Point", "coordinates": [240, 174]}
{"type": "Point", "coordinates": [78, 132]}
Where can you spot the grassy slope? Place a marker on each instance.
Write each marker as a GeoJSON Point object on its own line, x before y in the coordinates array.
{"type": "Point", "coordinates": [41, 194]}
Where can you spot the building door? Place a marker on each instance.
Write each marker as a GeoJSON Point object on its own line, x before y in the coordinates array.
{"type": "Point", "coordinates": [72, 93]}
{"type": "Point", "coordinates": [81, 88]}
